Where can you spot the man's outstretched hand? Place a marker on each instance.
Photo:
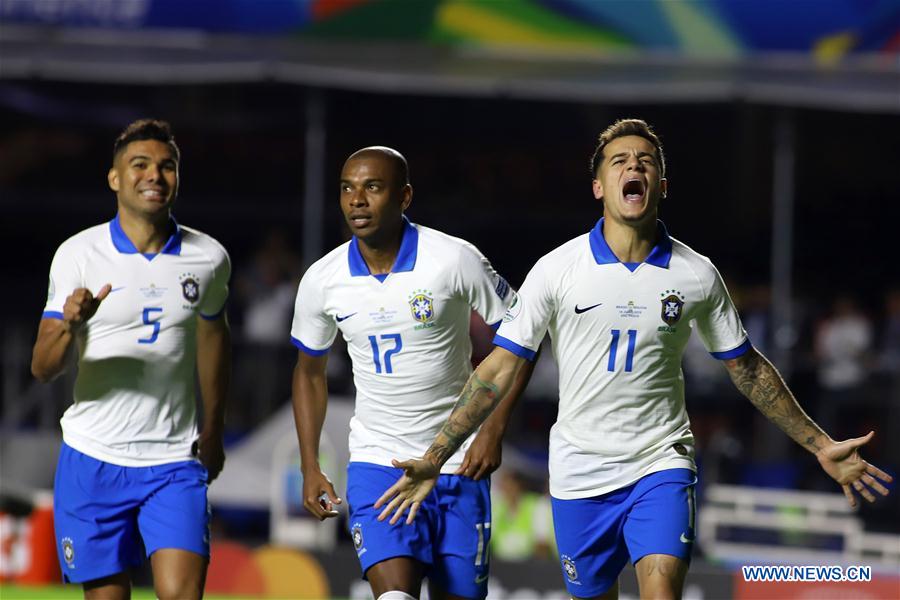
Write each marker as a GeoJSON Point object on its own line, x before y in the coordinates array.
{"type": "Point", "coordinates": [841, 460]}
{"type": "Point", "coordinates": [418, 479]}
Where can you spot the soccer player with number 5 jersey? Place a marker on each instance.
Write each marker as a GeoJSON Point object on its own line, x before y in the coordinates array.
{"type": "Point", "coordinates": [142, 300]}
{"type": "Point", "coordinates": [401, 295]}
{"type": "Point", "coordinates": [620, 303]}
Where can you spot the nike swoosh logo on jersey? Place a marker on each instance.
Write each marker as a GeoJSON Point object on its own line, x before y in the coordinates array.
{"type": "Point", "coordinates": [339, 318]}
{"type": "Point", "coordinates": [684, 539]}
{"type": "Point", "coordinates": [578, 311]}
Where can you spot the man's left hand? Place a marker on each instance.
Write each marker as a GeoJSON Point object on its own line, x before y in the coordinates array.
{"type": "Point", "coordinates": [842, 461]}
{"type": "Point", "coordinates": [211, 452]}
{"type": "Point", "coordinates": [483, 456]}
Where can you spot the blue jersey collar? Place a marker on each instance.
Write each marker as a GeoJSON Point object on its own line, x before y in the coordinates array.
{"type": "Point", "coordinates": [659, 256]}
{"type": "Point", "coordinates": [125, 245]}
{"type": "Point", "coordinates": [406, 256]}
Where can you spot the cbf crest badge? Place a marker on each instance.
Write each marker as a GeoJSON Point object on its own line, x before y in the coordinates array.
{"type": "Point", "coordinates": [68, 551]}
{"type": "Point", "coordinates": [672, 306]}
{"type": "Point", "coordinates": [190, 287]}
{"type": "Point", "coordinates": [356, 534]}
{"type": "Point", "coordinates": [568, 566]}
{"type": "Point", "coordinates": [421, 304]}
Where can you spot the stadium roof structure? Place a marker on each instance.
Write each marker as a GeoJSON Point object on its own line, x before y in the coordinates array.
{"type": "Point", "coordinates": [863, 83]}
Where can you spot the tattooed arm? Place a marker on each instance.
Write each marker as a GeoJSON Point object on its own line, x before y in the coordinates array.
{"type": "Point", "coordinates": [758, 379]}
{"type": "Point", "coordinates": [761, 383]}
{"type": "Point", "coordinates": [487, 386]}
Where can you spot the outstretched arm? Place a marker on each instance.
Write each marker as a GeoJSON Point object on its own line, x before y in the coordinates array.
{"type": "Point", "coordinates": [486, 387]}
{"type": "Point", "coordinates": [759, 381]}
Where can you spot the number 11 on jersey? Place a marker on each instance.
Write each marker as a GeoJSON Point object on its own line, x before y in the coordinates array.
{"type": "Point", "coordinates": [614, 346]}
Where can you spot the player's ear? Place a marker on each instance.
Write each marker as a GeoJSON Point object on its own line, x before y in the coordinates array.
{"type": "Point", "coordinates": [406, 195]}
{"type": "Point", "coordinates": [113, 179]}
{"type": "Point", "coordinates": [664, 187]}
{"type": "Point", "coordinates": [598, 189]}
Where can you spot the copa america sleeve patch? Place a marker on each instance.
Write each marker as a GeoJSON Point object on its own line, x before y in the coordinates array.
{"type": "Point", "coordinates": [502, 288]}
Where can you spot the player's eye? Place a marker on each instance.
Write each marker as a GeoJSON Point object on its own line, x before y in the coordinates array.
{"type": "Point", "coordinates": [374, 187]}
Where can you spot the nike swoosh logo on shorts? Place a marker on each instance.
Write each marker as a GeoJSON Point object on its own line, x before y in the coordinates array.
{"type": "Point", "coordinates": [481, 578]}
{"type": "Point", "coordinates": [339, 318]}
{"type": "Point", "coordinates": [578, 311]}
{"type": "Point", "coordinates": [684, 539]}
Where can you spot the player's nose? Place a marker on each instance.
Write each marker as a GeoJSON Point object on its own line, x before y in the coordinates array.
{"type": "Point", "coordinates": [358, 198]}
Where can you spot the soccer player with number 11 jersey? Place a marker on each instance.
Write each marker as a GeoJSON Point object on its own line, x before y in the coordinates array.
{"type": "Point", "coordinates": [619, 304]}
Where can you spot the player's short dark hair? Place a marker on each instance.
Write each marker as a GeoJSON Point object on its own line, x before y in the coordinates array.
{"type": "Point", "coordinates": [401, 167]}
{"type": "Point", "coordinates": [147, 129]}
{"type": "Point", "coordinates": [624, 127]}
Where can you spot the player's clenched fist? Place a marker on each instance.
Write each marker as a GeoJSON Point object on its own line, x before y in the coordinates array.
{"type": "Point", "coordinates": [81, 305]}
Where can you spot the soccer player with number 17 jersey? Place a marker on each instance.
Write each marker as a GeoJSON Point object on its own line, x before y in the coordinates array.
{"type": "Point", "coordinates": [401, 295]}
{"type": "Point", "coordinates": [142, 299]}
{"type": "Point", "coordinates": [620, 303]}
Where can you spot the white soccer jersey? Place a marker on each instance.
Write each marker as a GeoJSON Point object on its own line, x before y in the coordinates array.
{"type": "Point", "coordinates": [407, 335]}
{"type": "Point", "coordinates": [134, 394]}
{"type": "Point", "coordinates": [618, 336]}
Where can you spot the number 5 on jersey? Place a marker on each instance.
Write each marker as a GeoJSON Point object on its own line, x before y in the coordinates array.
{"type": "Point", "coordinates": [149, 313]}
{"type": "Point", "coordinates": [388, 352]}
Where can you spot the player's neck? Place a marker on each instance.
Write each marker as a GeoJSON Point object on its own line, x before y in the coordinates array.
{"type": "Point", "coordinates": [380, 255]}
{"type": "Point", "coordinates": [630, 243]}
{"type": "Point", "coordinates": [149, 236]}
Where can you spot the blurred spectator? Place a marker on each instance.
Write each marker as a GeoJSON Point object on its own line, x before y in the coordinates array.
{"type": "Point", "coordinates": [843, 343]}
{"type": "Point", "coordinates": [755, 308]}
{"type": "Point", "coordinates": [521, 519]}
{"type": "Point", "coordinates": [265, 290]}
{"type": "Point", "coordinates": [889, 356]}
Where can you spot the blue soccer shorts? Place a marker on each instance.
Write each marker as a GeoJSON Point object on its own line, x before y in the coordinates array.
{"type": "Point", "coordinates": [106, 516]}
{"type": "Point", "coordinates": [449, 535]}
{"type": "Point", "coordinates": [596, 536]}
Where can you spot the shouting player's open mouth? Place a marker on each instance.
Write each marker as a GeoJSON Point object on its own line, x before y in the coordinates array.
{"type": "Point", "coordinates": [633, 191]}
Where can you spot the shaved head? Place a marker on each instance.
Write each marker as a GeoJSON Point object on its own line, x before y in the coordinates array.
{"type": "Point", "coordinates": [401, 168]}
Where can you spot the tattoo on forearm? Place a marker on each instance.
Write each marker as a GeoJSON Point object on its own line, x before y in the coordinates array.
{"type": "Point", "coordinates": [477, 400]}
{"type": "Point", "coordinates": [758, 379]}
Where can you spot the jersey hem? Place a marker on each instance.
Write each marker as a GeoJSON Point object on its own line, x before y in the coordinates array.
{"type": "Point", "coordinates": [96, 453]}
{"type": "Point", "coordinates": [449, 467]}
{"type": "Point", "coordinates": [606, 489]}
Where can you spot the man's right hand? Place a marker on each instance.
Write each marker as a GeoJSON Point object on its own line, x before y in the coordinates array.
{"type": "Point", "coordinates": [81, 305]}
{"type": "Point", "coordinates": [316, 485]}
{"type": "Point", "coordinates": [418, 479]}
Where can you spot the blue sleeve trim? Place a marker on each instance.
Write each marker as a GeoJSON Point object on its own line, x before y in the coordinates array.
{"type": "Point", "coordinates": [307, 349]}
{"type": "Point", "coordinates": [52, 314]}
{"type": "Point", "coordinates": [739, 351]}
{"type": "Point", "coordinates": [513, 347]}
{"type": "Point", "coordinates": [496, 326]}
{"type": "Point", "coordinates": [215, 316]}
